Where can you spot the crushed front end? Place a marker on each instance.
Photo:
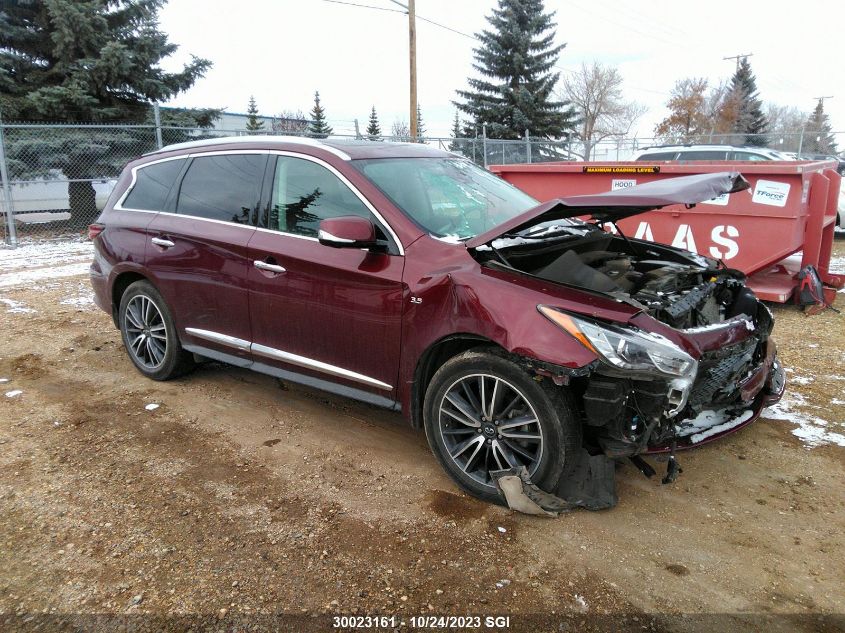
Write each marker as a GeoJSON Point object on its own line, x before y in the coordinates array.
{"type": "Point", "coordinates": [718, 381]}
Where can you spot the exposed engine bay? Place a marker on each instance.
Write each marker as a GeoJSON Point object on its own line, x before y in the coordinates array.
{"type": "Point", "coordinates": [678, 288]}
{"type": "Point", "coordinates": [626, 411]}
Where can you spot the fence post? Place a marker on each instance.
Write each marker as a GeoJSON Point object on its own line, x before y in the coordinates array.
{"type": "Point", "coordinates": [11, 235]}
{"type": "Point", "coordinates": [484, 142]}
{"type": "Point", "coordinates": [801, 140]}
{"type": "Point", "coordinates": [157, 116]}
{"type": "Point", "coordinates": [527, 147]}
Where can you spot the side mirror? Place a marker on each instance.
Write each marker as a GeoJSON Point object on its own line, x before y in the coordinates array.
{"type": "Point", "coordinates": [348, 231]}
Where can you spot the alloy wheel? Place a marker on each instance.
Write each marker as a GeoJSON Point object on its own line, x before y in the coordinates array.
{"type": "Point", "coordinates": [146, 333]}
{"type": "Point", "coordinates": [487, 424]}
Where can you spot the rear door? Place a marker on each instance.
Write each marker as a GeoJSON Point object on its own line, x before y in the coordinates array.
{"type": "Point", "coordinates": [329, 313]}
{"type": "Point", "coordinates": [198, 249]}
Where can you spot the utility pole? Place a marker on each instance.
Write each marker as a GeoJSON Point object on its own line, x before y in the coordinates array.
{"type": "Point", "coordinates": [738, 57]}
{"type": "Point", "coordinates": [412, 49]}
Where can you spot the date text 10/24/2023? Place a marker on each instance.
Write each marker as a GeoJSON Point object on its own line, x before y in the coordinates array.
{"type": "Point", "coordinates": [422, 621]}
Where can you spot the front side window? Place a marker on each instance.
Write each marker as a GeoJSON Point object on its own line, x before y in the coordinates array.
{"type": "Point", "coordinates": [224, 187]}
{"type": "Point", "coordinates": [305, 192]}
{"type": "Point", "coordinates": [448, 197]}
{"type": "Point", "coordinates": [152, 185]}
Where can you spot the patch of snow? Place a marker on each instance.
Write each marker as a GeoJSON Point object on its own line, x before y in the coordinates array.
{"type": "Point", "coordinates": [501, 529]}
{"type": "Point", "coordinates": [82, 301]}
{"type": "Point", "coordinates": [16, 307]}
{"type": "Point", "coordinates": [26, 277]}
{"type": "Point", "coordinates": [3, 380]}
{"type": "Point", "coordinates": [801, 380]}
{"type": "Point", "coordinates": [13, 393]}
{"type": "Point", "coordinates": [44, 260]}
{"type": "Point", "coordinates": [582, 603]}
{"type": "Point", "coordinates": [711, 422]}
{"type": "Point", "coordinates": [152, 406]}
{"type": "Point", "coordinates": [811, 430]}
{"type": "Point", "coordinates": [836, 401]}
{"type": "Point", "coordinates": [837, 265]}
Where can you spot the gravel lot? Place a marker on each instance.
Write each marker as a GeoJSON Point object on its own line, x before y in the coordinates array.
{"type": "Point", "coordinates": [240, 498]}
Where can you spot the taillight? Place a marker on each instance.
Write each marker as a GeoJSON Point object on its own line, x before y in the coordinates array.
{"type": "Point", "coordinates": [94, 230]}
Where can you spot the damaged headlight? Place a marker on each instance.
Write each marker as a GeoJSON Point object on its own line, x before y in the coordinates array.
{"type": "Point", "coordinates": [625, 348]}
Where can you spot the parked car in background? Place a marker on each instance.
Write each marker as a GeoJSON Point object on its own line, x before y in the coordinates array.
{"type": "Point", "coordinates": [404, 276]}
{"type": "Point", "coordinates": [709, 152]}
{"type": "Point", "coordinates": [840, 162]}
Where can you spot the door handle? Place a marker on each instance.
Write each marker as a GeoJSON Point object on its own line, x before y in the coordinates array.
{"type": "Point", "coordinates": [160, 241]}
{"type": "Point", "coordinates": [274, 268]}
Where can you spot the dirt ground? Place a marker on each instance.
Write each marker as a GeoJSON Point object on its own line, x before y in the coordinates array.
{"type": "Point", "coordinates": [241, 498]}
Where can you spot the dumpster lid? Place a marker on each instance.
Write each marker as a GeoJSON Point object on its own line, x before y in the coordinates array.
{"type": "Point", "coordinates": [612, 206]}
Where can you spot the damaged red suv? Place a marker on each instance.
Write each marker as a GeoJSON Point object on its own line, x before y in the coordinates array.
{"type": "Point", "coordinates": [524, 340]}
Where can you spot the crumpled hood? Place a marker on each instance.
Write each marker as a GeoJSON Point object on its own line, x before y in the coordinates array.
{"type": "Point", "coordinates": [612, 206]}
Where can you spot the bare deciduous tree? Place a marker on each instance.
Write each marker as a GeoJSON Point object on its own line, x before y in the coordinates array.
{"type": "Point", "coordinates": [785, 124]}
{"type": "Point", "coordinates": [400, 131]}
{"type": "Point", "coordinates": [290, 122]}
{"type": "Point", "coordinates": [596, 93]}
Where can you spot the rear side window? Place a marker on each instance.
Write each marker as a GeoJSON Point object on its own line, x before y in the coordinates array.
{"type": "Point", "coordinates": [152, 185]}
{"type": "Point", "coordinates": [658, 156]}
{"type": "Point", "coordinates": [748, 156]}
{"type": "Point", "coordinates": [224, 187]}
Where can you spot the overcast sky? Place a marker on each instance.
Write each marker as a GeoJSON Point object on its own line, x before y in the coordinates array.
{"type": "Point", "coordinates": [282, 50]}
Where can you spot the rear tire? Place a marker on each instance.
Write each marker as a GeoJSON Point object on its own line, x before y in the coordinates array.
{"type": "Point", "coordinates": [471, 429]}
{"type": "Point", "coordinates": [149, 333]}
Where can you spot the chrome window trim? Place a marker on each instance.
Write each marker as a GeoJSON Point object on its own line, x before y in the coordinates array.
{"type": "Point", "coordinates": [216, 337]}
{"type": "Point", "coordinates": [118, 206]}
{"type": "Point", "coordinates": [287, 357]}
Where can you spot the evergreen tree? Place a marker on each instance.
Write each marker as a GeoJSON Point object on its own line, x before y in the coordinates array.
{"type": "Point", "coordinates": [515, 60]}
{"type": "Point", "coordinates": [456, 145]}
{"type": "Point", "coordinates": [318, 127]}
{"type": "Point", "coordinates": [818, 135]}
{"type": "Point", "coordinates": [373, 127]}
{"type": "Point", "coordinates": [745, 108]}
{"type": "Point", "coordinates": [84, 61]}
{"type": "Point", "coordinates": [420, 125]}
{"type": "Point", "coordinates": [253, 123]}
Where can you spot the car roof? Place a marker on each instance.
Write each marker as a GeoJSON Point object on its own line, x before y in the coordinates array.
{"type": "Point", "coordinates": [347, 149]}
{"type": "Point", "coordinates": [679, 148]}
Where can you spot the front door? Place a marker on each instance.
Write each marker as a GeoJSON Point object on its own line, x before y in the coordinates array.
{"type": "Point", "coordinates": [332, 314]}
{"type": "Point", "coordinates": [198, 255]}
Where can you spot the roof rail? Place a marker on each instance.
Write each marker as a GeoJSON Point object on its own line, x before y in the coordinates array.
{"type": "Point", "coordinates": [258, 138]}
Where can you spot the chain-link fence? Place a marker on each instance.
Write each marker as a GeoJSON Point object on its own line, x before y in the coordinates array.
{"type": "Point", "coordinates": [56, 178]}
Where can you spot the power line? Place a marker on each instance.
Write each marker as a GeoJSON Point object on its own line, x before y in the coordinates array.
{"type": "Point", "coordinates": [363, 6]}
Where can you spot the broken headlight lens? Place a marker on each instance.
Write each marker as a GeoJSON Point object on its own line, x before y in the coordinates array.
{"type": "Point", "coordinates": [623, 347]}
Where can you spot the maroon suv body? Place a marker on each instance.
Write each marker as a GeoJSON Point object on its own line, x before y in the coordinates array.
{"type": "Point", "coordinates": [407, 277]}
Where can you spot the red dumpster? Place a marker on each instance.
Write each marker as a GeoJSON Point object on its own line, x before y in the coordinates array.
{"type": "Point", "coordinates": [790, 207]}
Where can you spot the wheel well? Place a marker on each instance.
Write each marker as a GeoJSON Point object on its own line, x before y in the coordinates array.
{"type": "Point", "coordinates": [121, 283]}
{"type": "Point", "coordinates": [431, 360]}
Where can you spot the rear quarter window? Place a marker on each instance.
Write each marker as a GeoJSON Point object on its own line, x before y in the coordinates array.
{"type": "Point", "coordinates": [152, 185]}
{"type": "Point", "coordinates": [657, 156]}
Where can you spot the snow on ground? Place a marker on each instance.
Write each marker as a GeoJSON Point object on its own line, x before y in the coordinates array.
{"type": "Point", "coordinates": [15, 307]}
{"type": "Point", "coordinates": [837, 265]}
{"type": "Point", "coordinates": [34, 262]}
{"type": "Point", "coordinates": [812, 430]}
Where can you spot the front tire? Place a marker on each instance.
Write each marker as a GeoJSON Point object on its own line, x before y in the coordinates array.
{"type": "Point", "coordinates": [483, 412]}
{"type": "Point", "coordinates": [149, 333]}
